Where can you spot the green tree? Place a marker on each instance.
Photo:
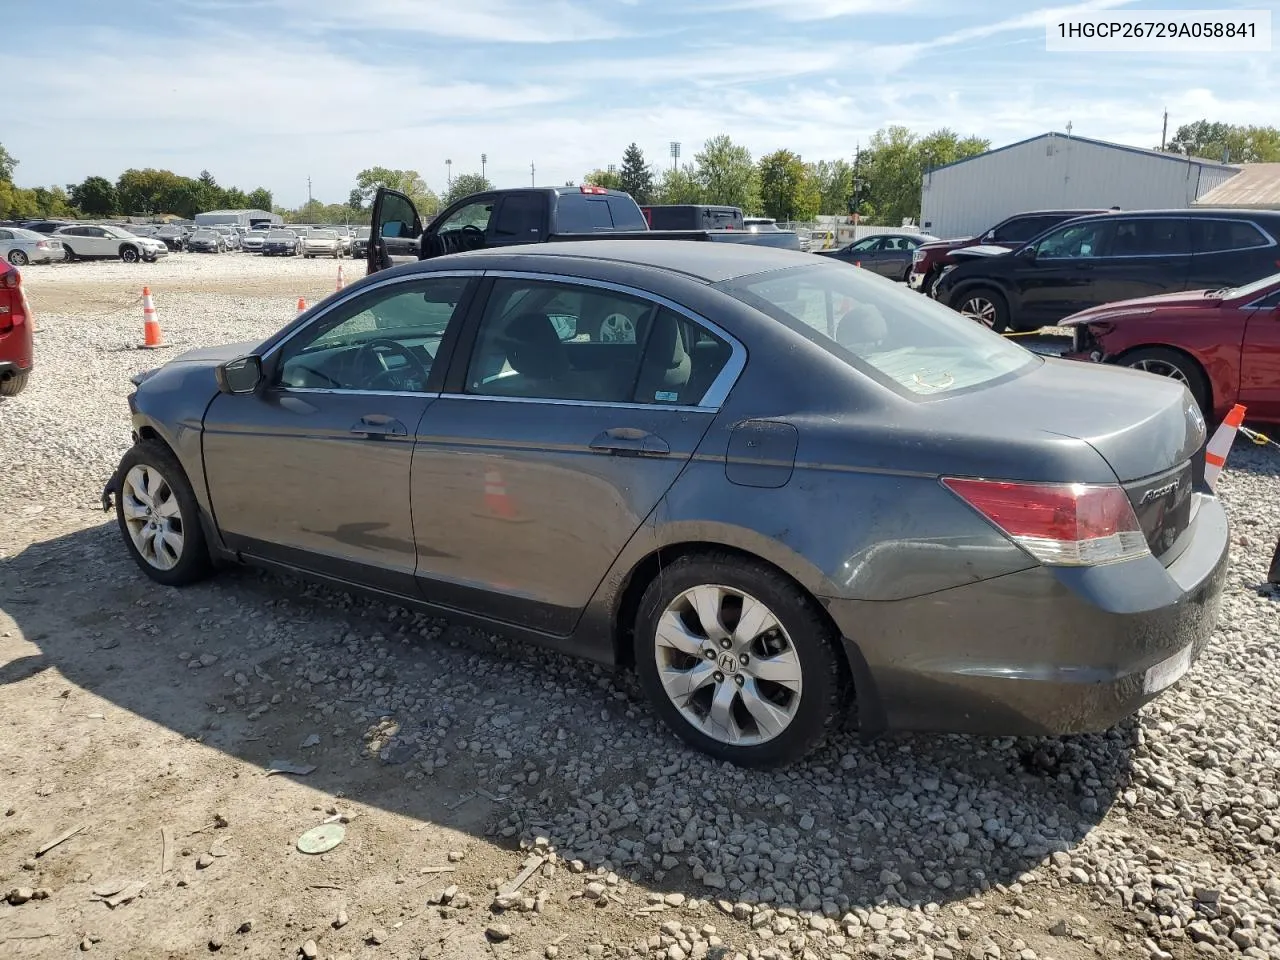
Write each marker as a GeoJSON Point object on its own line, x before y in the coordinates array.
{"type": "Point", "coordinates": [787, 189]}
{"type": "Point", "coordinates": [94, 197]}
{"type": "Point", "coordinates": [408, 182]}
{"type": "Point", "coordinates": [1242, 144]}
{"type": "Point", "coordinates": [52, 201]}
{"type": "Point", "coordinates": [834, 180]}
{"type": "Point", "coordinates": [894, 164]}
{"type": "Point", "coordinates": [636, 176]}
{"type": "Point", "coordinates": [726, 174]}
{"type": "Point", "coordinates": [680, 185]}
{"type": "Point", "coordinates": [603, 178]}
{"type": "Point", "coordinates": [464, 185]}
{"type": "Point", "coordinates": [259, 199]}
{"type": "Point", "coordinates": [7, 163]}
{"type": "Point", "coordinates": [16, 203]}
{"type": "Point", "coordinates": [355, 199]}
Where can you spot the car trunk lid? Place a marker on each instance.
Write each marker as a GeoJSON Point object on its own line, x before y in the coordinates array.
{"type": "Point", "coordinates": [1147, 428]}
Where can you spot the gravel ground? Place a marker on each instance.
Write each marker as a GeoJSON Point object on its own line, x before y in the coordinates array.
{"type": "Point", "coordinates": [150, 717]}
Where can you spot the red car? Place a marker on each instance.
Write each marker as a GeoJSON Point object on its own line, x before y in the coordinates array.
{"type": "Point", "coordinates": [16, 343]}
{"type": "Point", "coordinates": [1223, 344]}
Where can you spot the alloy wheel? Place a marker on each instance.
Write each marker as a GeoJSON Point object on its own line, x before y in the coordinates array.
{"type": "Point", "coordinates": [1161, 368]}
{"type": "Point", "coordinates": [153, 516]}
{"type": "Point", "coordinates": [981, 309]}
{"type": "Point", "coordinates": [617, 328]}
{"type": "Point", "coordinates": [728, 665]}
{"type": "Point", "coordinates": [17, 258]}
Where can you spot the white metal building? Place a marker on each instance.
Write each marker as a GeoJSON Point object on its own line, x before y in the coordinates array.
{"type": "Point", "coordinates": [242, 218]}
{"type": "Point", "coordinates": [1057, 171]}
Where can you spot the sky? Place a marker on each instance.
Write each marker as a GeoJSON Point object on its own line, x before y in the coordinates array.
{"type": "Point", "coordinates": [271, 92]}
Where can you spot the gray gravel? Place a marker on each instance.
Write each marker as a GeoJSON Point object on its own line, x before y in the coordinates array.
{"type": "Point", "coordinates": [1160, 838]}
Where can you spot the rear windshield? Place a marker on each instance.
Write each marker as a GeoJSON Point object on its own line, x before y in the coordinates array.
{"type": "Point", "coordinates": [910, 343]}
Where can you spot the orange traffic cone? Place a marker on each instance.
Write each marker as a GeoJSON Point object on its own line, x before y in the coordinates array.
{"type": "Point", "coordinates": [1215, 452]}
{"type": "Point", "coordinates": [302, 304]}
{"type": "Point", "coordinates": [151, 336]}
{"type": "Point", "coordinates": [341, 282]}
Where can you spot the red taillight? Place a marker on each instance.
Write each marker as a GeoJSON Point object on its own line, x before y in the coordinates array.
{"type": "Point", "coordinates": [42, 245]}
{"type": "Point", "coordinates": [1060, 524]}
{"type": "Point", "coordinates": [593, 189]}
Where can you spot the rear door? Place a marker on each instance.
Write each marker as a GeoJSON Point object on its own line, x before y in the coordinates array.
{"type": "Point", "coordinates": [569, 410]}
{"type": "Point", "coordinates": [395, 231]}
{"type": "Point", "coordinates": [1147, 256]}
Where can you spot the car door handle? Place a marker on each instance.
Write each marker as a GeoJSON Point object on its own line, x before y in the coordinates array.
{"type": "Point", "coordinates": [630, 441]}
{"type": "Point", "coordinates": [379, 425]}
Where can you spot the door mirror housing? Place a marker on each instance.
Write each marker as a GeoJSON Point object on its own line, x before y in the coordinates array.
{"type": "Point", "coordinates": [239, 376]}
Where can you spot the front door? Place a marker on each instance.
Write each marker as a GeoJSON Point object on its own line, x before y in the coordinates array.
{"type": "Point", "coordinates": [1059, 280]}
{"type": "Point", "coordinates": [558, 433]}
{"type": "Point", "coordinates": [313, 470]}
{"type": "Point", "coordinates": [395, 231]}
{"type": "Point", "coordinates": [1260, 359]}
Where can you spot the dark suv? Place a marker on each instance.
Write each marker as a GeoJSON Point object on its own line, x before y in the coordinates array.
{"type": "Point", "coordinates": [930, 258]}
{"type": "Point", "coordinates": [1117, 256]}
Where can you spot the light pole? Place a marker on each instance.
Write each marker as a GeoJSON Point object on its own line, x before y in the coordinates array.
{"type": "Point", "coordinates": [448, 173]}
{"type": "Point", "coordinates": [484, 158]}
{"type": "Point", "coordinates": [533, 174]}
{"type": "Point", "coordinates": [675, 153]}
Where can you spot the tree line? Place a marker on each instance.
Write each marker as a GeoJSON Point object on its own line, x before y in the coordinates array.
{"type": "Point", "coordinates": [1234, 143]}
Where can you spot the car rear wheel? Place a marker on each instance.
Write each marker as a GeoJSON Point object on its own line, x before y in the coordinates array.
{"type": "Point", "coordinates": [18, 258]}
{"type": "Point", "coordinates": [14, 383]}
{"type": "Point", "coordinates": [738, 661]}
{"type": "Point", "coordinates": [67, 254]}
{"type": "Point", "coordinates": [988, 307]}
{"type": "Point", "coordinates": [1175, 365]}
{"type": "Point", "coordinates": [159, 517]}
{"type": "Point", "coordinates": [129, 254]}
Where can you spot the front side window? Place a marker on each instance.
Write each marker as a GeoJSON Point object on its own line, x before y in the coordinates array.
{"type": "Point", "coordinates": [865, 246]}
{"type": "Point", "coordinates": [909, 343]}
{"type": "Point", "coordinates": [542, 340]}
{"type": "Point", "coordinates": [384, 340]}
{"type": "Point", "coordinates": [474, 216]}
{"type": "Point", "coordinates": [1077, 241]}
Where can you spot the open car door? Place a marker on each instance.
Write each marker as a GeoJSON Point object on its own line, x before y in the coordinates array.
{"type": "Point", "coordinates": [395, 232]}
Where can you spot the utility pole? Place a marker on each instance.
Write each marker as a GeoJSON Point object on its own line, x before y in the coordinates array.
{"type": "Point", "coordinates": [448, 173]}
{"type": "Point", "coordinates": [1164, 129]}
{"type": "Point", "coordinates": [675, 153]}
{"type": "Point", "coordinates": [533, 171]}
{"type": "Point", "coordinates": [308, 191]}
{"type": "Point", "coordinates": [484, 158]}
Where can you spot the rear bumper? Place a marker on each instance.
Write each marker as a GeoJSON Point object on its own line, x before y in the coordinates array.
{"type": "Point", "coordinates": [1045, 651]}
{"type": "Point", "coordinates": [10, 367]}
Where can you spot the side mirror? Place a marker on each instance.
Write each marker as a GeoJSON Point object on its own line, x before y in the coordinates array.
{"type": "Point", "coordinates": [242, 375]}
{"type": "Point", "coordinates": [1027, 253]}
{"type": "Point", "coordinates": [988, 236]}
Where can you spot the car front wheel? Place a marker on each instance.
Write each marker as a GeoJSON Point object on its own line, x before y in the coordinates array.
{"type": "Point", "coordinates": [129, 254]}
{"type": "Point", "coordinates": [738, 660]}
{"type": "Point", "coordinates": [159, 517]}
{"type": "Point", "coordinates": [985, 305]}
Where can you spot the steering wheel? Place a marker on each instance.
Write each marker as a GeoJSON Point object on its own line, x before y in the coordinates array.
{"type": "Point", "coordinates": [413, 379]}
{"type": "Point", "coordinates": [471, 237]}
{"type": "Point", "coordinates": [617, 328]}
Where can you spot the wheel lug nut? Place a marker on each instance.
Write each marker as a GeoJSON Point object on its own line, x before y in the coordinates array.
{"type": "Point", "coordinates": [711, 654]}
{"type": "Point", "coordinates": [739, 680]}
{"type": "Point", "coordinates": [719, 677]}
{"type": "Point", "coordinates": [725, 643]}
{"type": "Point", "coordinates": [745, 659]}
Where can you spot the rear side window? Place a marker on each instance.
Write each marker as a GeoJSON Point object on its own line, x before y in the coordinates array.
{"type": "Point", "coordinates": [1216, 236]}
{"type": "Point", "coordinates": [1154, 237]}
{"type": "Point", "coordinates": [520, 217]}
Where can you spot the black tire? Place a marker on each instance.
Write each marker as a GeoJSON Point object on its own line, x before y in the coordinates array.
{"type": "Point", "coordinates": [194, 563]}
{"type": "Point", "coordinates": [18, 258]}
{"type": "Point", "coordinates": [825, 688]}
{"type": "Point", "coordinates": [1164, 361]}
{"type": "Point", "coordinates": [130, 254]}
{"type": "Point", "coordinates": [68, 254]}
{"type": "Point", "coordinates": [13, 385]}
{"type": "Point", "coordinates": [996, 317]}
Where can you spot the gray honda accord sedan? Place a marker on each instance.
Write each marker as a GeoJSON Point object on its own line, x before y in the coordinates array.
{"type": "Point", "coordinates": [787, 492]}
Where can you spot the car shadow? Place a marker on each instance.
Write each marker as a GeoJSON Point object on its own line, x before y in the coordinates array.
{"type": "Point", "coordinates": [902, 820]}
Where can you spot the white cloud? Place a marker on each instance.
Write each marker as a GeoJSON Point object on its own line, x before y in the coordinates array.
{"type": "Point", "coordinates": [802, 11]}
{"type": "Point", "coordinates": [488, 21]}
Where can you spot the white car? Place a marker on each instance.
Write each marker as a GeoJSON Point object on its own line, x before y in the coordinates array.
{"type": "Point", "coordinates": [93, 241]}
{"type": "Point", "coordinates": [321, 243]}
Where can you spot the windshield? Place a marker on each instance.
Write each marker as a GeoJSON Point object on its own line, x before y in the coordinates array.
{"type": "Point", "coordinates": [1249, 289]}
{"type": "Point", "coordinates": [909, 343]}
{"type": "Point", "coordinates": [205, 234]}
{"type": "Point", "coordinates": [324, 234]}
{"type": "Point", "coordinates": [363, 233]}
{"type": "Point", "coordinates": [279, 235]}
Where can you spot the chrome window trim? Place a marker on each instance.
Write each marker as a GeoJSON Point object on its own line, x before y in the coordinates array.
{"type": "Point", "coordinates": [1271, 241]}
{"type": "Point", "coordinates": [361, 291]}
{"type": "Point", "coordinates": [716, 393]}
{"type": "Point", "coordinates": [596, 404]}
{"type": "Point", "coordinates": [347, 391]}
{"type": "Point", "coordinates": [1259, 305]}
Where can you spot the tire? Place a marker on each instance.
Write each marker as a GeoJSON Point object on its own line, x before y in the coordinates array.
{"type": "Point", "coordinates": [1167, 362]}
{"type": "Point", "coordinates": [18, 258]}
{"type": "Point", "coordinates": [68, 255]}
{"type": "Point", "coordinates": [129, 254]}
{"type": "Point", "coordinates": [985, 305]}
{"type": "Point", "coordinates": [802, 644]}
{"type": "Point", "coordinates": [168, 488]}
{"type": "Point", "coordinates": [15, 384]}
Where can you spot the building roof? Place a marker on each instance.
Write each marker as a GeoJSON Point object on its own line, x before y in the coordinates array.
{"type": "Point", "coordinates": [1155, 154]}
{"type": "Point", "coordinates": [1256, 186]}
{"type": "Point", "coordinates": [223, 213]}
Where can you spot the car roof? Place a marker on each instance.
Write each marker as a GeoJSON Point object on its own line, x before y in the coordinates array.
{"type": "Point", "coordinates": [1198, 213]}
{"type": "Point", "coordinates": [708, 261]}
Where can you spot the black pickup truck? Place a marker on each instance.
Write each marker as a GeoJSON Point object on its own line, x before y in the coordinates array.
{"type": "Point", "coordinates": [504, 218]}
